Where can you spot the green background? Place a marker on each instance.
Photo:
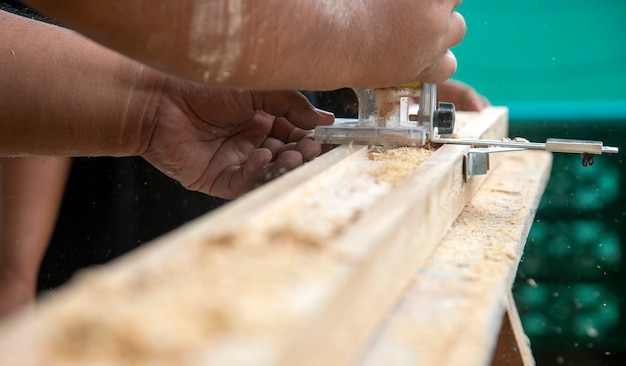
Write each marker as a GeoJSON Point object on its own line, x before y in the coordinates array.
{"type": "Point", "coordinates": [560, 66]}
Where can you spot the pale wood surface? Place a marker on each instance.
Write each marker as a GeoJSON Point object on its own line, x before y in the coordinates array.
{"type": "Point", "coordinates": [299, 271]}
{"type": "Point", "coordinates": [452, 312]}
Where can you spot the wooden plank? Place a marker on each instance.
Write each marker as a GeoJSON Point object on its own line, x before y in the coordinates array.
{"type": "Point", "coordinates": [452, 312]}
{"type": "Point", "coordinates": [299, 271]}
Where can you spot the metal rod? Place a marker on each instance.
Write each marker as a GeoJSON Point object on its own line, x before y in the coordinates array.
{"type": "Point", "coordinates": [554, 145]}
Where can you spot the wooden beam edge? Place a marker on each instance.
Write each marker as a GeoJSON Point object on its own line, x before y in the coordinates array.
{"type": "Point", "coordinates": [452, 312]}
{"type": "Point", "coordinates": [426, 205]}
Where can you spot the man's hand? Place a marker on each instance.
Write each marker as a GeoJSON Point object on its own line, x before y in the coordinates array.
{"type": "Point", "coordinates": [464, 97]}
{"type": "Point", "coordinates": [409, 40]}
{"type": "Point", "coordinates": [225, 142]}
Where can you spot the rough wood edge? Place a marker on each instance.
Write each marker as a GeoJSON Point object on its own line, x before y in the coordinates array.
{"type": "Point", "coordinates": [453, 310]}
{"type": "Point", "coordinates": [423, 207]}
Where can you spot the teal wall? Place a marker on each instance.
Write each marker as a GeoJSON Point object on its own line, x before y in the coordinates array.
{"type": "Point", "coordinates": [534, 54]}
{"type": "Point", "coordinates": [560, 66]}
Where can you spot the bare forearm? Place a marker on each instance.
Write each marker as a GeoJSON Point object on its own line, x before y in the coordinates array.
{"type": "Point", "coordinates": [65, 95]}
{"type": "Point", "coordinates": [31, 190]}
{"type": "Point", "coordinates": [273, 44]}
{"type": "Point", "coordinates": [248, 44]}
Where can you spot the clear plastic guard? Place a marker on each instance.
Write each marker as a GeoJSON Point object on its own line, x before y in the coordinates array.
{"type": "Point", "coordinates": [385, 118]}
{"type": "Point", "coordinates": [347, 131]}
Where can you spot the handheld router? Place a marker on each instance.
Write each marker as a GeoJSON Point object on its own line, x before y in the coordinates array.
{"type": "Point", "coordinates": [384, 118]}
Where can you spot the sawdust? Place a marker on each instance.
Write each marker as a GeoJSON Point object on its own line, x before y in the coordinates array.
{"type": "Point", "coordinates": [215, 37]}
{"type": "Point", "coordinates": [465, 276]}
{"type": "Point", "coordinates": [398, 162]}
{"type": "Point", "coordinates": [243, 286]}
{"type": "Point", "coordinates": [388, 100]}
{"type": "Point", "coordinates": [256, 282]}
{"type": "Point", "coordinates": [242, 282]}
{"type": "Point", "coordinates": [339, 13]}
{"type": "Point", "coordinates": [387, 104]}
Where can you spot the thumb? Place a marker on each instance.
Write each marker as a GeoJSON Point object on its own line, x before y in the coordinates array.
{"type": "Point", "coordinates": [294, 107]}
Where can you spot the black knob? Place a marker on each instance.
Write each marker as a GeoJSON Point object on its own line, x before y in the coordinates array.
{"type": "Point", "coordinates": [443, 118]}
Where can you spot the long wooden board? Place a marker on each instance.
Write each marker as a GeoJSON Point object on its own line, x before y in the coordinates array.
{"type": "Point", "coordinates": [300, 271]}
{"type": "Point", "coordinates": [452, 313]}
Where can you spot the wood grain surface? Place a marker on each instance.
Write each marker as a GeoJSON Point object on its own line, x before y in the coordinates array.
{"type": "Point", "coordinates": [300, 271]}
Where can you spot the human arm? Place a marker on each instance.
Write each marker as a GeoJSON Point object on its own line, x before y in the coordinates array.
{"type": "Point", "coordinates": [65, 95]}
{"type": "Point", "coordinates": [31, 190]}
{"type": "Point", "coordinates": [69, 96]}
{"type": "Point", "coordinates": [273, 44]}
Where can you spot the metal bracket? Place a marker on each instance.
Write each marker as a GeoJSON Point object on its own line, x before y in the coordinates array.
{"type": "Point", "coordinates": [475, 163]}
{"type": "Point", "coordinates": [476, 160]}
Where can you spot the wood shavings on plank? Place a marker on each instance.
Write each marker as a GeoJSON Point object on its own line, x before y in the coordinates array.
{"type": "Point", "coordinates": [460, 292]}
{"type": "Point", "coordinates": [398, 162]}
{"type": "Point", "coordinates": [248, 283]}
{"type": "Point", "coordinates": [244, 282]}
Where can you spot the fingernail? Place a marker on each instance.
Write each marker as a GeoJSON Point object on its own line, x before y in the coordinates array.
{"type": "Point", "coordinates": [325, 113]}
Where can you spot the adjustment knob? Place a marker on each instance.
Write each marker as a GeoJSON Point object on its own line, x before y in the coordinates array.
{"type": "Point", "coordinates": [443, 118]}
